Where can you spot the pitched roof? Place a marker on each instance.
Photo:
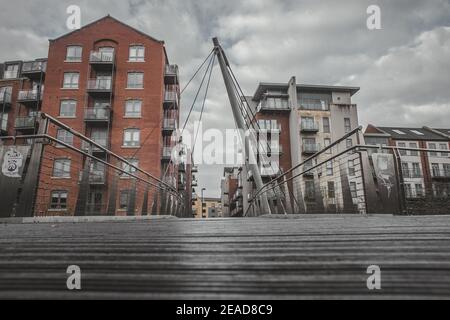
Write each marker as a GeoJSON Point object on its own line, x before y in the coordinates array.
{"type": "Point", "coordinates": [417, 134]}
{"type": "Point", "coordinates": [111, 18]}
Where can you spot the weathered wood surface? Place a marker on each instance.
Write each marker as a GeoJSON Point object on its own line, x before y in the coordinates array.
{"type": "Point", "coordinates": [315, 257]}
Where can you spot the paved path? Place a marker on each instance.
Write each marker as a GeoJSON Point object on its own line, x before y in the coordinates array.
{"type": "Point", "coordinates": [311, 257]}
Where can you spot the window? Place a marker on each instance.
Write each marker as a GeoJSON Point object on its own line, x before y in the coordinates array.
{"type": "Point", "coordinates": [326, 125]}
{"type": "Point", "coordinates": [58, 200]}
{"type": "Point", "coordinates": [353, 190]}
{"type": "Point", "coordinates": [74, 53]}
{"type": "Point", "coordinates": [64, 136]}
{"type": "Point", "coordinates": [402, 145]}
{"type": "Point", "coordinates": [314, 101]}
{"type": "Point", "coordinates": [130, 169]}
{"type": "Point", "coordinates": [408, 190]}
{"type": "Point", "coordinates": [331, 190]}
{"type": "Point", "coordinates": [123, 199]}
{"type": "Point", "coordinates": [100, 136]}
{"type": "Point", "coordinates": [330, 168]}
{"type": "Point", "coordinates": [310, 192]}
{"type": "Point", "coordinates": [399, 132]}
{"type": "Point", "coordinates": [5, 94]}
{"type": "Point", "coordinates": [327, 143]}
{"type": "Point", "coordinates": [433, 147]}
{"type": "Point", "coordinates": [4, 121]}
{"type": "Point", "coordinates": [435, 169]}
{"type": "Point", "coordinates": [137, 53]}
{"type": "Point", "coordinates": [405, 170]}
{"type": "Point", "coordinates": [416, 170]}
{"type": "Point", "coordinates": [413, 153]}
{"type": "Point", "coordinates": [11, 71]}
{"type": "Point", "coordinates": [417, 132]}
{"type": "Point", "coordinates": [349, 144]}
{"type": "Point", "coordinates": [447, 169]}
{"type": "Point", "coordinates": [443, 146]}
{"type": "Point", "coordinates": [419, 190]}
{"type": "Point", "coordinates": [131, 138]}
{"type": "Point", "coordinates": [308, 123]}
{"type": "Point", "coordinates": [347, 125]}
{"type": "Point", "coordinates": [68, 109]}
{"type": "Point", "coordinates": [135, 80]}
{"type": "Point", "coordinates": [61, 168]}
{"type": "Point", "coordinates": [71, 80]}
{"type": "Point", "coordinates": [133, 108]}
{"type": "Point", "coordinates": [351, 167]}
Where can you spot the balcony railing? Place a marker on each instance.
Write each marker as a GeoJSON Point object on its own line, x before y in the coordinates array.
{"type": "Point", "coordinates": [96, 176]}
{"type": "Point", "coordinates": [170, 96]}
{"type": "Point", "coordinates": [314, 104]}
{"type": "Point", "coordinates": [440, 173]}
{"type": "Point", "coordinates": [167, 153]}
{"type": "Point", "coordinates": [34, 66]}
{"type": "Point", "coordinates": [29, 95]}
{"type": "Point", "coordinates": [170, 124]}
{"type": "Point", "coordinates": [103, 142]}
{"type": "Point", "coordinates": [411, 174]}
{"type": "Point", "coordinates": [194, 169]}
{"type": "Point", "coordinates": [101, 57]}
{"type": "Point", "coordinates": [99, 84]}
{"type": "Point", "coordinates": [311, 148]}
{"type": "Point", "coordinates": [97, 114]}
{"type": "Point", "coordinates": [309, 126]}
{"type": "Point", "coordinates": [171, 70]}
{"type": "Point", "coordinates": [25, 122]}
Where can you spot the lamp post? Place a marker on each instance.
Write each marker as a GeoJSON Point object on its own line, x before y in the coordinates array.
{"type": "Point", "coordinates": [203, 189]}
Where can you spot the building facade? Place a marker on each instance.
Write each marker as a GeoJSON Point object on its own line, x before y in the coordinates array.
{"type": "Point", "coordinates": [424, 173]}
{"type": "Point", "coordinates": [207, 208]}
{"type": "Point", "coordinates": [115, 85]}
{"type": "Point", "coordinates": [294, 122]}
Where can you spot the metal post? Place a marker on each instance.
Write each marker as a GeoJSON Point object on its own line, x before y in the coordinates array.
{"type": "Point", "coordinates": [251, 163]}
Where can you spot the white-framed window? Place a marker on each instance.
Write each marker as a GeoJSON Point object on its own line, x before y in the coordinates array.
{"type": "Point", "coordinates": [330, 170]}
{"type": "Point", "coordinates": [68, 108]}
{"type": "Point", "coordinates": [137, 53]}
{"type": "Point", "coordinates": [123, 199]}
{"type": "Point", "coordinates": [133, 108]}
{"type": "Point", "coordinates": [326, 144]}
{"type": "Point", "coordinates": [432, 146]}
{"type": "Point", "coordinates": [74, 53]}
{"type": "Point", "coordinates": [347, 125]}
{"type": "Point", "coordinates": [71, 80]}
{"type": "Point", "coordinates": [353, 190]}
{"type": "Point", "coordinates": [128, 168]}
{"type": "Point", "coordinates": [326, 125]}
{"type": "Point", "coordinates": [444, 146]}
{"type": "Point", "coordinates": [58, 200]}
{"type": "Point", "coordinates": [131, 137]}
{"type": "Point", "coordinates": [351, 167]}
{"type": "Point", "coordinates": [61, 168]}
{"type": "Point", "coordinates": [64, 136]}
{"type": "Point", "coordinates": [135, 80]}
{"type": "Point", "coordinates": [11, 71]}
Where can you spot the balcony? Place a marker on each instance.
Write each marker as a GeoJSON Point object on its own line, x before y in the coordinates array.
{"type": "Point", "coordinates": [34, 69]}
{"type": "Point", "coordinates": [25, 123]}
{"type": "Point", "coordinates": [268, 129]}
{"type": "Point", "coordinates": [103, 142]}
{"type": "Point", "coordinates": [309, 127]}
{"type": "Point", "coordinates": [314, 104]}
{"type": "Point", "coordinates": [96, 177]}
{"type": "Point", "coordinates": [194, 183]}
{"type": "Point", "coordinates": [104, 60]}
{"type": "Point", "coordinates": [29, 96]}
{"type": "Point", "coordinates": [440, 174]}
{"type": "Point", "coordinates": [411, 174]}
{"type": "Point", "coordinates": [274, 104]}
{"type": "Point", "coordinates": [167, 153]}
{"type": "Point", "coordinates": [171, 74]}
{"type": "Point", "coordinates": [169, 125]}
{"type": "Point", "coordinates": [103, 85]}
{"type": "Point", "coordinates": [170, 99]}
{"type": "Point", "coordinates": [97, 114]}
{"type": "Point", "coordinates": [311, 148]}
{"type": "Point", "coordinates": [271, 150]}
{"type": "Point", "coordinates": [270, 169]}
{"type": "Point", "coordinates": [194, 169]}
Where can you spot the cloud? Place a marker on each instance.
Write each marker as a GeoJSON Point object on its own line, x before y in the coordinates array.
{"type": "Point", "coordinates": [402, 69]}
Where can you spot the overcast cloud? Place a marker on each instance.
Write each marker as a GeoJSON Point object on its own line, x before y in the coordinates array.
{"type": "Point", "coordinates": [403, 70]}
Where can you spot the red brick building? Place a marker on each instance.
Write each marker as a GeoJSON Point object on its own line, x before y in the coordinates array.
{"type": "Point", "coordinates": [115, 85]}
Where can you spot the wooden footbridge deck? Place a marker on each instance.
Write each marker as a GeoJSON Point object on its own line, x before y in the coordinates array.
{"type": "Point", "coordinates": [263, 258]}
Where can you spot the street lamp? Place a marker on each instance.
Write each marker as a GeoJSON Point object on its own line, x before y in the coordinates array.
{"type": "Point", "coordinates": [203, 189]}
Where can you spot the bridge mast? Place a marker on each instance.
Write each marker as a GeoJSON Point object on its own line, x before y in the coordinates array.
{"type": "Point", "coordinates": [250, 161]}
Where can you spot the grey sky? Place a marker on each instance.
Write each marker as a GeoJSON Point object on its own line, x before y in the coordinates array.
{"type": "Point", "coordinates": [403, 70]}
